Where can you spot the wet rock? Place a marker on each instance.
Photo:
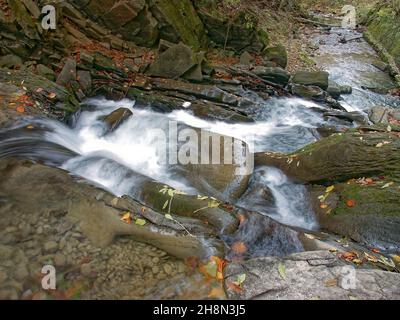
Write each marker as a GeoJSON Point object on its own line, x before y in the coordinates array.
{"type": "Point", "coordinates": [309, 92]}
{"type": "Point", "coordinates": [274, 74]}
{"type": "Point", "coordinates": [379, 115]}
{"type": "Point", "coordinates": [116, 118]}
{"type": "Point", "coordinates": [277, 55]}
{"type": "Point", "coordinates": [174, 62]}
{"type": "Point", "coordinates": [306, 78]}
{"type": "Point", "coordinates": [353, 116]}
{"type": "Point", "coordinates": [381, 65]}
{"type": "Point", "coordinates": [307, 276]}
{"type": "Point", "coordinates": [68, 73]}
{"type": "Point", "coordinates": [10, 61]}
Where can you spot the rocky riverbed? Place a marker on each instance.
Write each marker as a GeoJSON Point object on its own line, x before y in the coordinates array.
{"type": "Point", "coordinates": [83, 187]}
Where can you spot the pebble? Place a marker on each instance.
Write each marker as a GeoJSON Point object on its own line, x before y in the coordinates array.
{"type": "Point", "coordinates": [60, 260]}
{"type": "Point", "coordinates": [39, 230]}
{"type": "Point", "coordinates": [86, 269]}
{"type": "Point", "coordinates": [168, 269]}
{"type": "Point", "coordinates": [50, 247]}
{"type": "Point", "coordinates": [21, 272]}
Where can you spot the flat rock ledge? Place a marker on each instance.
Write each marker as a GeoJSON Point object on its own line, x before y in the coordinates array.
{"type": "Point", "coordinates": [312, 275]}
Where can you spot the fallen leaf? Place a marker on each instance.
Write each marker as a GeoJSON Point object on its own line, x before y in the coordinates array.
{"type": "Point", "coordinates": [323, 206]}
{"type": "Point", "coordinates": [379, 145]}
{"type": "Point", "coordinates": [387, 185]}
{"type": "Point", "coordinates": [240, 280]}
{"type": "Point", "coordinates": [351, 203]}
{"type": "Point", "coordinates": [127, 218]}
{"type": "Point", "coordinates": [202, 197]}
{"type": "Point", "coordinates": [30, 127]}
{"type": "Point", "coordinates": [349, 256]}
{"type": "Point", "coordinates": [357, 261]}
{"type": "Point", "coordinates": [20, 109]}
{"type": "Point", "coordinates": [330, 189]}
{"type": "Point", "coordinates": [396, 259]}
{"type": "Point", "coordinates": [239, 247]}
{"type": "Point", "coordinates": [370, 257]}
{"type": "Point", "coordinates": [38, 90]}
{"type": "Point", "coordinates": [169, 217]}
{"type": "Point", "coordinates": [52, 95]}
{"type": "Point", "coordinates": [140, 222]}
{"type": "Point", "coordinates": [282, 271]}
{"type": "Point", "coordinates": [234, 287]}
{"type": "Point", "coordinates": [165, 205]}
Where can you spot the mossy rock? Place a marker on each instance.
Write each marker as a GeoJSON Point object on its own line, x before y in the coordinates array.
{"type": "Point", "coordinates": [384, 24]}
{"type": "Point", "coordinates": [369, 214]}
{"type": "Point", "coordinates": [181, 15]}
{"type": "Point", "coordinates": [340, 156]}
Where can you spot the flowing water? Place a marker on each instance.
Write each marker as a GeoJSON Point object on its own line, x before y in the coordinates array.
{"type": "Point", "coordinates": [118, 161]}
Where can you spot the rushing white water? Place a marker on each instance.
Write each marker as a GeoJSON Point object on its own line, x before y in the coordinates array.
{"type": "Point", "coordinates": [120, 160]}
{"type": "Point", "coordinates": [284, 200]}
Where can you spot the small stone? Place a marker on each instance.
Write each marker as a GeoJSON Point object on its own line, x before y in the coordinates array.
{"type": "Point", "coordinates": [155, 270]}
{"type": "Point", "coordinates": [39, 230]}
{"type": "Point", "coordinates": [21, 272]}
{"type": "Point", "coordinates": [50, 247]}
{"type": "Point", "coordinates": [60, 260]}
{"type": "Point", "coordinates": [86, 269]}
{"type": "Point", "coordinates": [168, 269]}
{"type": "Point", "coordinates": [155, 260]}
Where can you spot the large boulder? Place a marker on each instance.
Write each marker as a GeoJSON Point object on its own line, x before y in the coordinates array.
{"type": "Point", "coordinates": [339, 157]}
{"type": "Point", "coordinates": [308, 276]}
{"type": "Point", "coordinates": [174, 62]}
{"type": "Point", "coordinates": [307, 78]}
{"type": "Point", "coordinates": [273, 74]}
{"type": "Point", "coordinates": [367, 212]}
{"type": "Point", "coordinates": [277, 54]}
{"type": "Point", "coordinates": [33, 188]}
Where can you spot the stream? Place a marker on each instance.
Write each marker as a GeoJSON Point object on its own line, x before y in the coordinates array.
{"type": "Point", "coordinates": [85, 149]}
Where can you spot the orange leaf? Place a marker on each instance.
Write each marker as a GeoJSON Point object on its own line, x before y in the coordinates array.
{"type": "Point", "coordinates": [127, 218]}
{"type": "Point", "coordinates": [351, 203]}
{"type": "Point", "coordinates": [20, 109]}
{"type": "Point", "coordinates": [349, 256]}
{"type": "Point", "coordinates": [234, 287]}
{"type": "Point", "coordinates": [239, 247]}
{"type": "Point", "coordinates": [52, 95]}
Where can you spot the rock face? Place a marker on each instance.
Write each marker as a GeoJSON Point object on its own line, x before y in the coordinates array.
{"type": "Point", "coordinates": [309, 276]}
{"type": "Point", "coordinates": [146, 21]}
{"type": "Point", "coordinates": [237, 35]}
{"type": "Point", "coordinates": [306, 78]}
{"type": "Point", "coordinates": [382, 115]}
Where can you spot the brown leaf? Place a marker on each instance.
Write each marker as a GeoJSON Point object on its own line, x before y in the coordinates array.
{"type": "Point", "coordinates": [20, 109]}
{"type": "Point", "coordinates": [331, 283]}
{"type": "Point", "coordinates": [234, 287]}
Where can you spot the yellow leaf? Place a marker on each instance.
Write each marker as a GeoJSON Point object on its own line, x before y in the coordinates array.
{"type": "Point", "coordinates": [140, 222]}
{"type": "Point", "coordinates": [330, 189]}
